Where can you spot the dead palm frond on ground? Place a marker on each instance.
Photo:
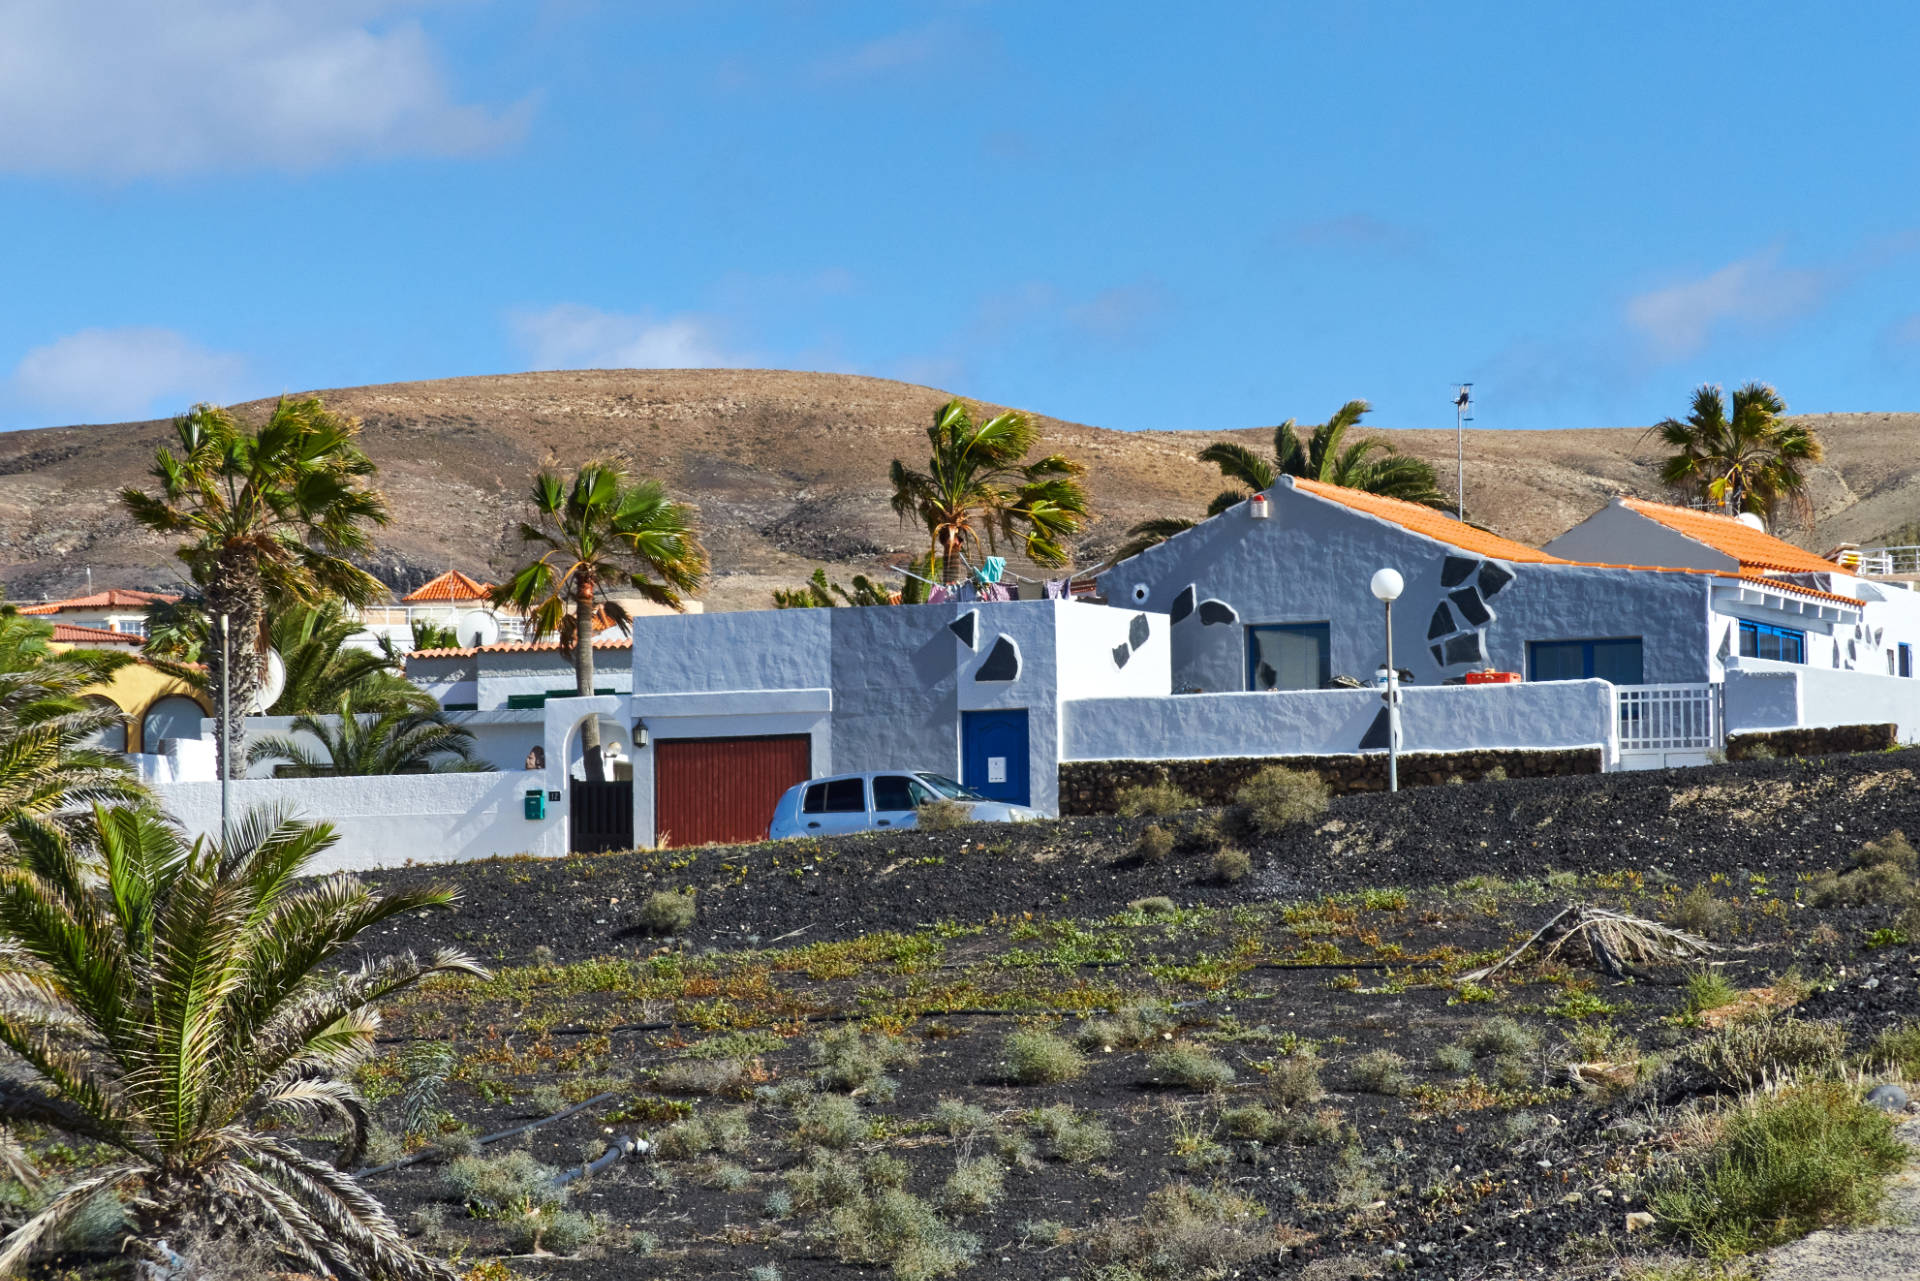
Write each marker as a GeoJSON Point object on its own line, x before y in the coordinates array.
{"type": "Point", "coordinates": [162, 1000]}
{"type": "Point", "coordinates": [1614, 940]}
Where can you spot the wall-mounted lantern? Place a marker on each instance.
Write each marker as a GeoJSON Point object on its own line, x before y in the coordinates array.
{"type": "Point", "coordinates": [1258, 507]}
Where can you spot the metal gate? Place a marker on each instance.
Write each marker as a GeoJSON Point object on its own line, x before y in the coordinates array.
{"type": "Point", "coordinates": [599, 817]}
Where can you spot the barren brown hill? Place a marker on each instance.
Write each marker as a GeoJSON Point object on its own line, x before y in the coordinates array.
{"type": "Point", "coordinates": [789, 471]}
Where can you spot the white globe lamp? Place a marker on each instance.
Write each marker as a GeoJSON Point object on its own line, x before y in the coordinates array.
{"type": "Point", "coordinates": [1386, 587]}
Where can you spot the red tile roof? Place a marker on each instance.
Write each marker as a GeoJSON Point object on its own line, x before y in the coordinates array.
{"type": "Point", "coordinates": [1753, 548]}
{"type": "Point", "coordinates": [70, 634]}
{"type": "Point", "coordinates": [1436, 525]}
{"type": "Point", "coordinates": [112, 598]}
{"type": "Point", "coordinates": [511, 647]}
{"type": "Point", "coordinates": [452, 585]}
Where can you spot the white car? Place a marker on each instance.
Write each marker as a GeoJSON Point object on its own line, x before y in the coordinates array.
{"type": "Point", "coordinates": [883, 799]}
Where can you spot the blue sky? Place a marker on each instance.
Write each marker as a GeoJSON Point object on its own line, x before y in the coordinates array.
{"type": "Point", "coordinates": [1134, 215]}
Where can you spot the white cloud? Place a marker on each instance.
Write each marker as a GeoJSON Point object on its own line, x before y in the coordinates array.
{"type": "Point", "coordinates": [571, 336]}
{"type": "Point", "coordinates": [893, 52]}
{"type": "Point", "coordinates": [1679, 320]}
{"type": "Point", "coordinates": [132, 88]}
{"type": "Point", "coordinates": [111, 375]}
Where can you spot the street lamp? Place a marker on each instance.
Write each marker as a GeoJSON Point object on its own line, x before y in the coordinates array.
{"type": "Point", "coordinates": [1387, 586]}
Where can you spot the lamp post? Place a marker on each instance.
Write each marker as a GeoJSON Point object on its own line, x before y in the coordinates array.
{"type": "Point", "coordinates": [1387, 586]}
{"type": "Point", "coordinates": [1462, 402]}
{"type": "Point", "coordinates": [226, 732]}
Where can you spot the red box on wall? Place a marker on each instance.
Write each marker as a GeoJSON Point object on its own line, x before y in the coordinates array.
{"type": "Point", "coordinates": [1493, 678]}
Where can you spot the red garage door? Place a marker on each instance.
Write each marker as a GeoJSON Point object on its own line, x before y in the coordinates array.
{"type": "Point", "coordinates": [723, 789]}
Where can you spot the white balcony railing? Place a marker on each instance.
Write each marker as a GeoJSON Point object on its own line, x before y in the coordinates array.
{"type": "Point", "coordinates": [1657, 718]}
{"type": "Point", "coordinates": [1882, 561]}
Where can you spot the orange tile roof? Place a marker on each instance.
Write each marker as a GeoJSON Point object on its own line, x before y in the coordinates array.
{"type": "Point", "coordinates": [511, 647]}
{"type": "Point", "coordinates": [71, 634]}
{"type": "Point", "coordinates": [112, 598]}
{"type": "Point", "coordinates": [1754, 549]}
{"type": "Point", "coordinates": [1426, 521]}
{"type": "Point", "coordinates": [452, 585]}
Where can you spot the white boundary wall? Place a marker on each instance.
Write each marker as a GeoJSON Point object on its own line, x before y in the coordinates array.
{"type": "Point", "coordinates": [1445, 718]}
{"type": "Point", "coordinates": [391, 820]}
{"type": "Point", "coordinates": [1769, 695]}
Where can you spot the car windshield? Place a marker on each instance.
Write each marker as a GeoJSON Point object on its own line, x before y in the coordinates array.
{"type": "Point", "coordinates": [949, 789]}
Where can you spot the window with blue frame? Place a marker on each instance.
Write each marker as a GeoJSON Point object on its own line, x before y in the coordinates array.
{"type": "Point", "coordinates": [1289, 656]}
{"type": "Point", "coordinates": [1906, 659]}
{"type": "Point", "coordinates": [1764, 640]}
{"type": "Point", "coordinates": [1617, 659]}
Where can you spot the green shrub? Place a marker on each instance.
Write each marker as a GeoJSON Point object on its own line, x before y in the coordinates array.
{"type": "Point", "coordinates": [684, 1140]}
{"type": "Point", "coordinates": [975, 1186]}
{"type": "Point", "coordinates": [942, 815]}
{"type": "Point", "coordinates": [1708, 990]}
{"type": "Point", "coordinates": [1891, 850]}
{"type": "Point", "coordinates": [703, 1076]}
{"type": "Point", "coordinates": [496, 1185]}
{"type": "Point", "coordinates": [1154, 844]}
{"type": "Point", "coordinates": [825, 1181]}
{"type": "Point", "coordinates": [1277, 797]}
{"type": "Point", "coordinates": [1898, 1048]}
{"type": "Point", "coordinates": [830, 1121]}
{"type": "Point", "coordinates": [960, 1119]}
{"type": "Point", "coordinates": [1295, 1082]}
{"type": "Point", "coordinates": [1379, 1072]}
{"type": "Point", "coordinates": [1157, 905]}
{"type": "Point", "coordinates": [1135, 1024]}
{"type": "Point", "coordinates": [1184, 1232]}
{"type": "Point", "coordinates": [847, 1059]}
{"type": "Point", "coordinates": [1191, 1068]}
{"type": "Point", "coordinates": [1231, 866]}
{"type": "Point", "coordinates": [667, 912]}
{"type": "Point", "coordinates": [722, 1176]}
{"type": "Point", "coordinates": [1034, 1057]}
{"type": "Point", "coordinates": [1071, 1136]}
{"type": "Point", "coordinates": [1499, 1035]}
{"type": "Point", "coordinates": [1742, 1056]}
{"type": "Point", "coordinates": [1699, 912]}
{"type": "Point", "coordinates": [1455, 1058]}
{"type": "Point", "coordinates": [557, 1231]}
{"type": "Point", "coordinates": [896, 1228]}
{"type": "Point", "coordinates": [1809, 1157]}
{"type": "Point", "coordinates": [731, 1129]}
{"type": "Point", "coordinates": [1156, 799]}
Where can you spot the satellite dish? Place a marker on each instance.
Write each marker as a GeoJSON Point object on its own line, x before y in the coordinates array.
{"type": "Point", "coordinates": [272, 682]}
{"type": "Point", "coordinates": [477, 627]}
{"type": "Point", "coordinates": [1752, 520]}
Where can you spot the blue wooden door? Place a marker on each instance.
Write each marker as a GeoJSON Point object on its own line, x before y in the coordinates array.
{"type": "Point", "coordinates": [993, 754]}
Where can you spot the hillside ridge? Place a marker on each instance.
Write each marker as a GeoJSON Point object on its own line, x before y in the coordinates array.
{"type": "Point", "coordinates": [789, 472]}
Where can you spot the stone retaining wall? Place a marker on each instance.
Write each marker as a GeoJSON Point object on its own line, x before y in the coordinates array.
{"type": "Point", "coordinates": [1089, 787]}
{"type": "Point", "coordinates": [1818, 741]}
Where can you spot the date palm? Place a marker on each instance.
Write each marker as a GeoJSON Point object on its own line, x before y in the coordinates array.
{"type": "Point", "coordinates": [978, 490]}
{"type": "Point", "coordinates": [352, 742]}
{"type": "Point", "coordinates": [600, 530]}
{"type": "Point", "coordinates": [1370, 465]}
{"type": "Point", "coordinates": [168, 1003]}
{"type": "Point", "coordinates": [269, 512]}
{"type": "Point", "coordinates": [1751, 460]}
{"type": "Point", "coordinates": [47, 762]}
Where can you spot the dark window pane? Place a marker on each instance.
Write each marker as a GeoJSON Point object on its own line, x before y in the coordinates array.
{"type": "Point", "coordinates": [816, 802]}
{"type": "Point", "coordinates": [892, 792]}
{"type": "Point", "coordinates": [1618, 661]}
{"type": "Point", "coordinates": [846, 796]}
{"type": "Point", "coordinates": [1293, 656]}
{"type": "Point", "coordinates": [1559, 661]}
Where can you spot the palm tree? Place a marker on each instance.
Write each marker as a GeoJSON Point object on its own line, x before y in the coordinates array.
{"type": "Point", "coordinates": [978, 483]}
{"type": "Point", "coordinates": [1751, 461]}
{"type": "Point", "coordinates": [431, 635]}
{"type": "Point", "coordinates": [269, 512]}
{"type": "Point", "coordinates": [818, 592]}
{"type": "Point", "coordinates": [46, 761]}
{"type": "Point", "coordinates": [160, 998]}
{"type": "Point", "coordinates": [1370, 465]}
{"type": "Point", "coordinates": [352, 742]}
{"type": "Point", "coordinates": [598, 530]}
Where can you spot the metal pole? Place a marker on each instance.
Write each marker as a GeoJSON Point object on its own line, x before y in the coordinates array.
{"type": "Point", "coordinates": [226, 732]}
{"type": "Point", "coordinates": [1393, 710]}
{"type": "Point", "coordinates": [1460, 457]}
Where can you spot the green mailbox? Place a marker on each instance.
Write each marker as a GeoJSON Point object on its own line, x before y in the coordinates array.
{"type": "Point", "coordinates": [536, 803]}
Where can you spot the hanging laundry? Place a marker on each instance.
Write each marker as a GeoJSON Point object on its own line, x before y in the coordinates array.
{"type": "Point", "coordinates": [965, 592]}
{"type": "Point", "coordinates": [992, 569]}
{"type": "Point", "coordinates": [939, 596]}
{"type": "Point", "coordinates": [1056, 589]}
{"type": "Point", "coordinates": [995, 591]}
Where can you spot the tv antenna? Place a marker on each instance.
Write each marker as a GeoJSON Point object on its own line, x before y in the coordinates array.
{"type": "Point", "coordinates": [1462, 415]}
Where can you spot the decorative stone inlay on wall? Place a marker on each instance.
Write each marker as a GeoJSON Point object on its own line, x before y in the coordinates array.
{"type": "Point", "coordinates": [1002, 662]}
{"type": "Point", "coordinates": [1138, 630]}
{"type": "Point", "coordinates": [1121, 653]}
{"type": "Point", "coordinates": [1457, 632]}
{"type": "Point", "coordinates": [1214, 612]}
{"type": "Point", "coordinates": [1182, 604]}
{"type": "Point", "coordinates": [966, 627]}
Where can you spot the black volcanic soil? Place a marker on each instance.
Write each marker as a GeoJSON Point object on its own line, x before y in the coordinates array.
{"type": "Point", "coordinates": [1351, 935]}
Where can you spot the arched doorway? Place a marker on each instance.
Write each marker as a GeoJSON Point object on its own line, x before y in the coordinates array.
{"type": "Point", "coordinates": [600, 814]}
{"type": "Point", "coordinates": [111, 737]}
{"type": "Point", "coordinates": [175, 716]}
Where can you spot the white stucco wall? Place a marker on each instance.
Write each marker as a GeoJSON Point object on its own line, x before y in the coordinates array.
{"type": "Point", "coordinates": [1767, 695]}
{"type": "Point", "coordinates": [392, 820]}
{"type": "Point", "coordinates": [1325, 722]}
